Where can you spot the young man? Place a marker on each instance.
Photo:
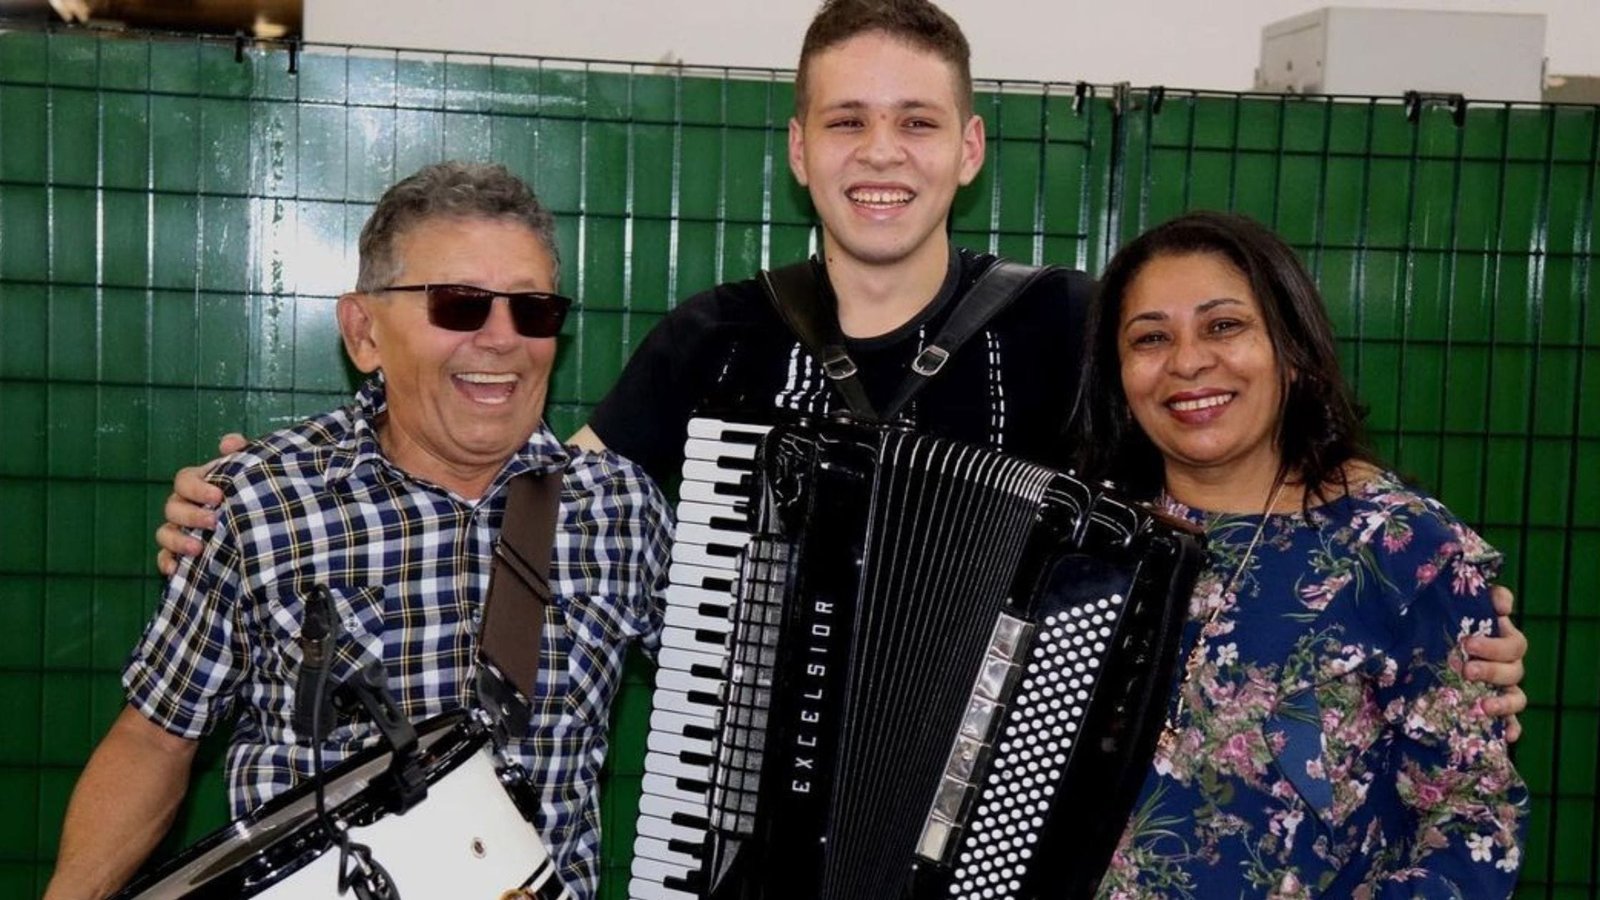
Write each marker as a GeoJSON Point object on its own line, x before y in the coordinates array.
{"type": "Point", "coordinates": [883, 135]}
{"type": "Point", "coordinates": [393, 504]}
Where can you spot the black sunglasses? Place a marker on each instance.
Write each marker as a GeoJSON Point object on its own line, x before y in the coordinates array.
{"type": "Point", "coordinates": [462, 307]}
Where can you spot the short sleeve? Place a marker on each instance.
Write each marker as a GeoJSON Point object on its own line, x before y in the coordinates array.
{"type": "Point", "coordinates": [182, 673]}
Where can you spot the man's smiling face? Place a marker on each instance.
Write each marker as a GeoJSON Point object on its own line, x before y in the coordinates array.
{"type": "Point", "coordinates": [883, 145]}
{"type": "Point", "coordinates": [460, 403]}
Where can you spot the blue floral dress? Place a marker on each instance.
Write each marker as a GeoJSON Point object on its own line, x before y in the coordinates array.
{"type": "Point", "coordinates": [1323, 746]}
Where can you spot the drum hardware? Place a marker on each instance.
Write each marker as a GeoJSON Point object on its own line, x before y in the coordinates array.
{"type": "Point", "coordinates": [282, 851]}
{"type": "Point", "coordinates": [358, 871]}
{"type": "Point", "coordinates": [317, 636]}
{"type": "Point", "coordinates": [369, 691]}
{"type": "Point", "coordinates": [455, 761]}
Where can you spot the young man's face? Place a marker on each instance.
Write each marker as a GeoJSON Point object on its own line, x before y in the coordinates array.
{"type": "Point", "coordinates": [882, 148]}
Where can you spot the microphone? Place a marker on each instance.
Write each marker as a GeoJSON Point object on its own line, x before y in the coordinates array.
{"type": "Point", "coordinates": [319, 634]}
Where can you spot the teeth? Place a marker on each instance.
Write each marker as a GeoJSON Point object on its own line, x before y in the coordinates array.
{"type": "Point", "coordinates": [505, 378]}
{"type": "Point", "coordinates": [1202, 403]}
{"type": "Point", "coordinates": [881, 198]}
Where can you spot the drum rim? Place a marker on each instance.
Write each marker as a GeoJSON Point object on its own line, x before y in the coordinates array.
{"type": "Point", "coordinates": [448, 755]}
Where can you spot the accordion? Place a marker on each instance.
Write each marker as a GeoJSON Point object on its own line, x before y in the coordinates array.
{"type": "Point", "coordinates": [897, 666]}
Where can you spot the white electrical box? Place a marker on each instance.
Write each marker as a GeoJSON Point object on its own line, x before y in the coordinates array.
{"type": "Point", "coordinates": [1344, 50]}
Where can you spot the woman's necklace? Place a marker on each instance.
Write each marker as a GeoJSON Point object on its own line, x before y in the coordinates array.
{"type": "Point", "coordinates": [1197, 655]}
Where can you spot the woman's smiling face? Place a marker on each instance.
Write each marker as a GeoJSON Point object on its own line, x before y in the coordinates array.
{"type": "Point", "coordinates": [1199, 369]}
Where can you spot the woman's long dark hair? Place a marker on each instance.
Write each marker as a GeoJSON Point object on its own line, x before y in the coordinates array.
{"type": "Point", "coordinates": [1319, 424]}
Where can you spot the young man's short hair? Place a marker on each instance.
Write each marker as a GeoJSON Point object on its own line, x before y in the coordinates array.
{"type": "Point", "coordinates": [916, 22]}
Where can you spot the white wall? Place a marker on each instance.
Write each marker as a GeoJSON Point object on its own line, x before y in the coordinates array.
{"type": "Point", "coordinates": [1180, 43]}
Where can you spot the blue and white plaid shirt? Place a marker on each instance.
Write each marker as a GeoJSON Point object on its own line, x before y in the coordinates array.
{"type": "Point", "coordinates": [408, 565]}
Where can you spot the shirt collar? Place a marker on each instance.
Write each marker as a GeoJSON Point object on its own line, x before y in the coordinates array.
{"type": "Point", "coordinates": [542, 452]}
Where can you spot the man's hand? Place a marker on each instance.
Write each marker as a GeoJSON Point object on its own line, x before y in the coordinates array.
{"type": "Point", "coordinates": [1498, 661]}
{"type": "Point", "coordinates": [189, 506]}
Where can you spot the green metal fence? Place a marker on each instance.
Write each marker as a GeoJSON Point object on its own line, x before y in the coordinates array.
{"type": "Point", "coordinates": [177, 215]}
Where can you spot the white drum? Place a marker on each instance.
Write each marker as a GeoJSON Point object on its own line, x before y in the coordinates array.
{"type": "Point", "coordinates": [470, 837]}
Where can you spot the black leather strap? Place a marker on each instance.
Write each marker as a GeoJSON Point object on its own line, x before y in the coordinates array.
{"type": "Point", "coordinates": [807, 305]}
{"type": "Point", "coordinates": [994, 290]}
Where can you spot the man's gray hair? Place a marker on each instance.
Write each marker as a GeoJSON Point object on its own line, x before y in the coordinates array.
{"type": "Point", "coordinates": [471, 190]}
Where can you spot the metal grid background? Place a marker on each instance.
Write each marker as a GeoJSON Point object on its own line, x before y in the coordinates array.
{"type": "Point", "coordinates": [176, 217]}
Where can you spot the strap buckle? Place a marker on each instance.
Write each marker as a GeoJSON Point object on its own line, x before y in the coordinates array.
{"type": "Point", "coordinates": [838, 365]}
{"type": "Point", "coordinates": [930, 361]}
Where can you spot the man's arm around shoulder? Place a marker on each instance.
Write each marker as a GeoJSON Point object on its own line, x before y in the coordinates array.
{"type": "Point", "coordinates": [124, 802]}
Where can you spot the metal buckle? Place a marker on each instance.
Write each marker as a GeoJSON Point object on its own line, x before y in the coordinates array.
{"type": "Point", "coordinates": [930, 361]}
{"type": "Point", "coordinates": [839, 366]}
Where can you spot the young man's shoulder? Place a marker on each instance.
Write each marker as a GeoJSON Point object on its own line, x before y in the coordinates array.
{"type": "Point", "coordinates": [1055, 302]}
{"type": "Point", "coordinates": [1054, 282]}
{"type": "Point", "coordinates": [740, 302]}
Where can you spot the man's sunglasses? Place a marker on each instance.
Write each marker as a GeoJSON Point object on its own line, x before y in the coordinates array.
{"type": "Point", "coordinates": [462, 307]}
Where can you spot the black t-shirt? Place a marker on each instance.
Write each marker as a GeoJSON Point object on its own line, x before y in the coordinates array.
{"type": "Point", "coordinates": [1009, 387]}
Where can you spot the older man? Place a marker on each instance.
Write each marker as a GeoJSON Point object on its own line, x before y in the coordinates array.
{"type": "Point", "coordinates": [394, 503]}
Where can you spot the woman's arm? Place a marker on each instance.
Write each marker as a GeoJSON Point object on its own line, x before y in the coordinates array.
{"type": "Point", "coordinates": [1466, 803]}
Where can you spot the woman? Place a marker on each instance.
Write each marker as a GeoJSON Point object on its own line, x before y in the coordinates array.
{"type": "Point", "coordinates": [1320, 742]}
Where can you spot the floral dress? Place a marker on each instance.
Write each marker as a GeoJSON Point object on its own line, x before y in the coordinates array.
{"type": "Point", "coordinates": [1323, 746]}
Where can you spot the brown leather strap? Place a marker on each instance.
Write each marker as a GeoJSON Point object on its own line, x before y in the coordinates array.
{"type": "Point", "coordinates": [519, 581]}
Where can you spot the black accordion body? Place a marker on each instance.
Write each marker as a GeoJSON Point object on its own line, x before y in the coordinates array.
{"type": "Point", "coordinates": [896, 666]}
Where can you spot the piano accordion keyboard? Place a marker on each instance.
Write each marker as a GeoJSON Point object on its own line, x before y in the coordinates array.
{"type": "Point", "coordinates": [674, 809]}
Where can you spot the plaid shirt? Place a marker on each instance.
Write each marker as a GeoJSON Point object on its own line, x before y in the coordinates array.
{"type": "Point", "coordinates": [408, 565]}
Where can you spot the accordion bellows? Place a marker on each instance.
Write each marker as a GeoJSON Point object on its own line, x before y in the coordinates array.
{"type": "Point", "coordinates": [901, 666]}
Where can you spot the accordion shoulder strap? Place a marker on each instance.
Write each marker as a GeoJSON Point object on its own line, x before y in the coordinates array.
{"type": "Point", "coordinates": [807, 305]}
{"type": "Point", "coordinates": [994, 290]}
{"type": "Point", "coordinates": [519, 591]}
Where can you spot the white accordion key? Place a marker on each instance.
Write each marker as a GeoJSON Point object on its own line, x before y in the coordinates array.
{"type": "Point", "coordinates": [706, 492]}
{"type": "Point", "coordinates": [686, 750]}
{"type": "Point", "coordinates": [666, 797]}
{"type": "Point", "coordinates": [685, 659]}
{"type": "Point", "coordinates": [713, 450]}
{"type": "Point", "coordinates": [692, 620]}
{"type": "Point", "coordinates": [694, 639]}
{"type": "Point", "coordinates": [666, 830]}
{"type": "Point", "coordinates": [702, 513]}
{"type": "Point", "coordinates": [642, 889]}
{"type": "Point", "coordinates": [656, 849]}
{"type": "Point", "coordinates": [678, 701]}
{"type": "Point", "coordinates": [697, 555]}
{"type": "Point", "coordinates": [683, 729]}
{"type": "Point", "coordinates": [658, 870]}
{"type": "Point", "coordinates": [720, 544]}
{"type": "Point", "coordinates": [718, 430]}
{"type": "Point", "coordinates": [673, 679]}
{"type": "Point", "coordinates": [705, 471]}
{"type": "Point", "coordinates": [673, 766]}
{"type": "Point", "coordinates": [715, 581]}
